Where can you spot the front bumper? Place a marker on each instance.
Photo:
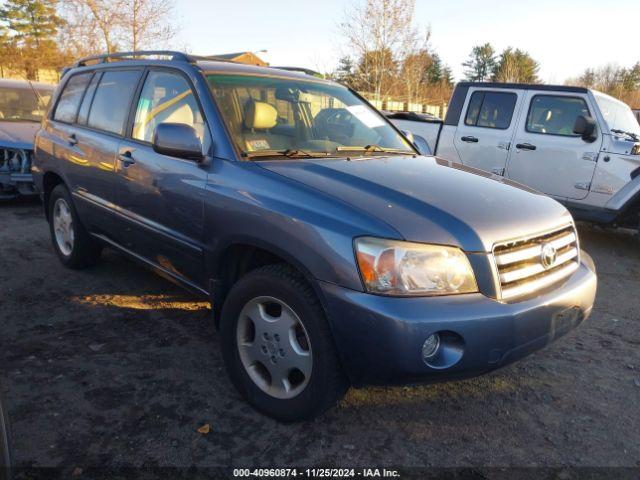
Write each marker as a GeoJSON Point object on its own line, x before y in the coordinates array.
{"type": "Point", "coordinates": [380, 338]}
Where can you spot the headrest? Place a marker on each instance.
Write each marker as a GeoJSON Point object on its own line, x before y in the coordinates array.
{"type": "Point", "coordinates": [260, 115]}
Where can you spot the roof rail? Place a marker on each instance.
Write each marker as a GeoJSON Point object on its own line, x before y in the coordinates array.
{"type": "Point", "coordinates": [300, 70]}
{"type": "Point", "coordinates": [104, 58]}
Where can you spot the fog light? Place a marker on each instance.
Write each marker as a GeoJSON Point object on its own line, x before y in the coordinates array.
{"type": "Point", "coordinates": [430, 346]}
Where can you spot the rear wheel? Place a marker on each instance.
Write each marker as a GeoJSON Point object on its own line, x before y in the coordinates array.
{"type": "Point", "coordinates": [278, 347]}
{"type": "Point", "coordinates": [72, 243]}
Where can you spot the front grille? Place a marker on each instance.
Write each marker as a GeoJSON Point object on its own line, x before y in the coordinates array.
{"type": "Point", "coordinates": [528, 264]}
{"type": "Point", "coordinates": [15, 160]}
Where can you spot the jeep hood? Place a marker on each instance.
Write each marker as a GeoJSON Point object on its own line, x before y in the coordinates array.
{"type": "Point", "coordinates": [427, 199]}
{"type": "Point", "coordinates": [18, 134]}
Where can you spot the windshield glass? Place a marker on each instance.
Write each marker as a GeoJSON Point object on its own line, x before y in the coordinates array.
{"type": "Point", "coordinates": [282, 117]}
{"type": "Point", "coordinates": [618, 115]}
{"type": "Point", "coordinates": [23, 104]}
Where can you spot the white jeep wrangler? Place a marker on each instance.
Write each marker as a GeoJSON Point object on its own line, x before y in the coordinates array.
{"type": "Point", "coordinates": [580, 146]}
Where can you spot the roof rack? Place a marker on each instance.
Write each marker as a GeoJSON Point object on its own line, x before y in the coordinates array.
{"type": "Point", "coordinates": [104, 58]}
{"type": "Point", "coordinates": [301, 70]}
{"type": "Point", "coordinates": [172, 55]}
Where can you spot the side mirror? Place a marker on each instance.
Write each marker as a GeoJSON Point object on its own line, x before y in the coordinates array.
{"type": "Point", "coordinates": [420, 143]}
{"type": "Point", "coordinates": [585, 126]}
{"type": "Point", "coordinates": [177, 140]}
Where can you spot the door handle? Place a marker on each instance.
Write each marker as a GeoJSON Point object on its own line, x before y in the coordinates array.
{"type": "Point", "coordinates": [525, 146]}
{"type": "Point", "coordinates": [72, 139]}
{"type": "Point", "coordinates": [469, 139]}
{"type": "Point", "coordinates": [126, 158]}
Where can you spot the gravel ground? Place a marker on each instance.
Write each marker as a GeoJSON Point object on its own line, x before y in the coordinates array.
{"type": "Point", "coordinates": [115, 366]}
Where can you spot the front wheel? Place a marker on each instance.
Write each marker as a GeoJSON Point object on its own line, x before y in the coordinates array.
{"type": "Point", "coordinates": [278, 347]}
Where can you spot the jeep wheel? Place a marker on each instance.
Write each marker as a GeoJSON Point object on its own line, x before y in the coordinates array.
{"type": "Point", "coordinates": [278, 347]}
{"type": "Point", "coordinates": [72, 243]}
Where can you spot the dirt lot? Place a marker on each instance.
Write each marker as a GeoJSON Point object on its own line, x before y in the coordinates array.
{"type": "Point", "coordinates": [115, 366]}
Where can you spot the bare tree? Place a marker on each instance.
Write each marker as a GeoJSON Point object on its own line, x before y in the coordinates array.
{"type": "Point", "coordinates": [148, 23]}
{"type": "Point", "coordinates": [415, 67]}
{"type": "Point", "coordinates": [379, 33]}
{"type": "Point", "coordinates": [108, 25]}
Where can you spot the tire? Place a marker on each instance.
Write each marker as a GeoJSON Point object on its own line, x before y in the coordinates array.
{"type": "Point", "coordinates": [5, 446]}
{"type": "Point", "coordinates": [280, 293]}
{"type": "Point", "coordinates": [73, 244]}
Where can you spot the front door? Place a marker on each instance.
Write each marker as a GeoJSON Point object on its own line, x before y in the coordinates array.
{"type": "Point", "coordinates": [162, 196]}
{"type": "Point", "coordinates": [546, 154]}
{"type": "Point", "coordinates": [484, 133]}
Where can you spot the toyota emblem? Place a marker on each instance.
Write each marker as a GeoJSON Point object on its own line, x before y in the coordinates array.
{"type": "Point", "coordinates": [548, 255]}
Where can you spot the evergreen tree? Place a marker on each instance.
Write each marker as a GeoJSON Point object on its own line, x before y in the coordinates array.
{"type": "Point", "coordinates": [481, 63]}
{"type": "Point", "coordinates": [345, 73]}
{"type": "Point", "coordinates": [30, 28]}
{"type": "Point", "coordinates": [516, 66]}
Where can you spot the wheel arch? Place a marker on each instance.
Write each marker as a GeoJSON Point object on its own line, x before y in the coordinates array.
{"type": "Point", "coordinates": [238, 257]}
{"type": "Point", "coordinates": [50, 180]}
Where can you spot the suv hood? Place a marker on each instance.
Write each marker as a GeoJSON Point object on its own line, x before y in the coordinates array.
{"type": "Point", "coordinates": [18, 134]}
{"type": "Point", "coordinates": [431, 200]}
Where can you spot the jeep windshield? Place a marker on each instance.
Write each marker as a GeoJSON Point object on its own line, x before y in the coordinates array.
{"type": "Point", "coordinates": [23, 104]}
{"type": "Point", "coordinates": [618, 116]}
{"type": "Point", "coordinates": [278, 117]}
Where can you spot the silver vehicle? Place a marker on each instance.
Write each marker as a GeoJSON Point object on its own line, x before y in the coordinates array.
{"type": "Point", "coordinates": [22, 105]}
{"type": "Point", "coordinates": [577, 145]}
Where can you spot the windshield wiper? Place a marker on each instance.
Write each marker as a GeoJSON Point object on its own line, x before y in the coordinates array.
{"type": "Point", "coordinates": [629, 134]}
{"type": "Point", "coordinates": [372, 149]}
{"type": "Point", "coordinates": [289, 153]}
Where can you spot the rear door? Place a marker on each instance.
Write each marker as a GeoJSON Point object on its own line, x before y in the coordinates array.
{"type": "Point", "coordinates": [486, 127]}
{"type": "Point", "coordinates": [546, 154]}
{"type": "Point", "coordinates": [87, 157]}
{"type": "Point", "coordinates": [161, 196]}
{"type": "Point", "coordinates": [98, 130]}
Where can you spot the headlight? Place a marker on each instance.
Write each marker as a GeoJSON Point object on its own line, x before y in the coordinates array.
{"type": "Point", "coordinates": [391, 267]}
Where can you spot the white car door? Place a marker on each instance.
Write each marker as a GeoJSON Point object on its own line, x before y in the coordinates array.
{"type": "Point", "coordinates": [486, 127]}
{"type": "Point", "coordinates": [546, 154]}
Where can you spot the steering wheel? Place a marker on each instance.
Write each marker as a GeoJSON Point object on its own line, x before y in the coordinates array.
{"type": "Point", "coordinates": [335, 124]}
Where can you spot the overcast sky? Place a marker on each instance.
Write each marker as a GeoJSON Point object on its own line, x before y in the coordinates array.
{"type": "Point", "coordinates": [565, 36]}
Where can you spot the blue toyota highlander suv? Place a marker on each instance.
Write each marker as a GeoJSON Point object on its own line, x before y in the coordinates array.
{"type": "Point", "coordinates": [334, 254]}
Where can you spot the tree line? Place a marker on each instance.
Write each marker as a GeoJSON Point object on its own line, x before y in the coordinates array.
{"type": "Point", "coordinates": [386, 55]}
{"type": "Point", "coordinates": [389, 56]}
{"type": "Point", "coordinates": [40, 35]}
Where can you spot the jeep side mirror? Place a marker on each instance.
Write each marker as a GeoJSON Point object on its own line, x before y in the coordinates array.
{"type": "Point", "coordinates": [422, 145]}
{"type": "Point", "coordinates": [585, 126]}
{"type": "Point", "coordinates": [177, 140]}
{"type": "Point", "coordinates": [419, 142]}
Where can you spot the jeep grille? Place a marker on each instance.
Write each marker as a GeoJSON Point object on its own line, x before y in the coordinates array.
{"type": "Point", "coordinates": [530, 264]}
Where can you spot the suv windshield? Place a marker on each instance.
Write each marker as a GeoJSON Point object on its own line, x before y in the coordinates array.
{"type": "Point", "coordinates": [23, 104]}
{"type": "Point", "coordinates": [618, 116]}
{"type": "Point", "coordinates": [284, 117]}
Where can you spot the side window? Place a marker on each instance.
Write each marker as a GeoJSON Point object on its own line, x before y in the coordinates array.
{"type": "Point", "coordinates": [70, 98]}
{"type": "Point", "coordinates": [88, 98]}
{"type": "Point", "coordinates": [491, 109]}
{"type": "Point", "coordinates": [555, 114]}
{"type": "Point", "coordinates": [166, 98]}
{"type": "Point", "coordinates": [110, 107]}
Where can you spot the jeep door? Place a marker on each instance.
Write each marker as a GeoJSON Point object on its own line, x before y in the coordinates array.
{"type": "Point", "coordinates": [484, 133]}
{"type": "Point", "coordinates": [546, 154]}
{"type": "Point", "coordinates": [162, 196]}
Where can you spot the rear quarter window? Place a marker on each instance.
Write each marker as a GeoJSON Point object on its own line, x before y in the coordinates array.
{"type": "Point", "coordinates": [491, 109]}
{"type": "Point", "coordinates": [70, 98]}
{"type": "Point", "coordinates": [112, 100]}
